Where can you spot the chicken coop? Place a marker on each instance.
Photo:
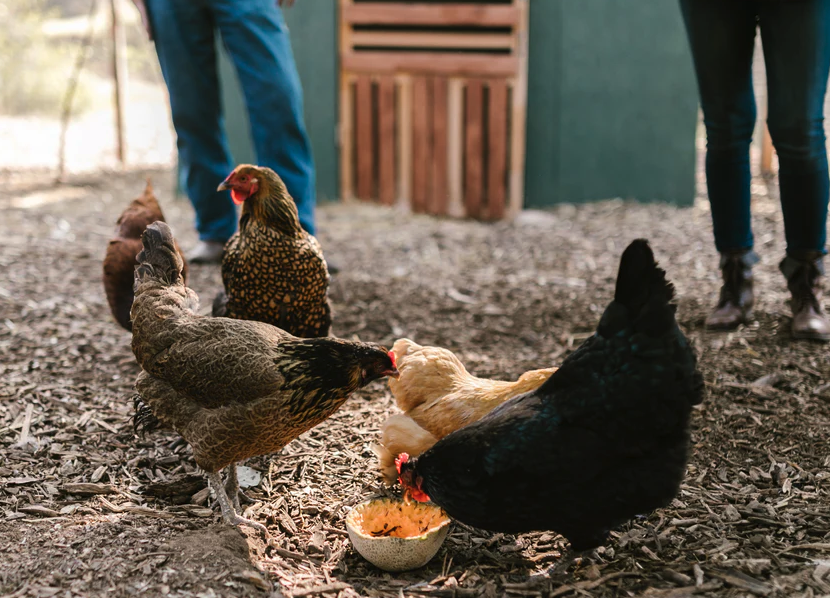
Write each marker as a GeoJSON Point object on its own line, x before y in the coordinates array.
{"type": "Point", "coordinates": [480, 108]}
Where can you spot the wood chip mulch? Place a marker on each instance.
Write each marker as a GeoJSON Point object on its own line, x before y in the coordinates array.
{"type": "Point", "coordinates": [88, 509]}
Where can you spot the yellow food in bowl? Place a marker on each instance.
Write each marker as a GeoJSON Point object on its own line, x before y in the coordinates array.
{"type": "Point", "coordinates": [397, 536]}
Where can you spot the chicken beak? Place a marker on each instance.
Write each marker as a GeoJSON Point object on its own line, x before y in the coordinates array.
{"type": "Point", "coordinates": [393, 373]}
{"type": "Point", "coordinates": [224, 186]}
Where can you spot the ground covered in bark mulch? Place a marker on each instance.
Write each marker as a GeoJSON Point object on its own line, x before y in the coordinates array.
{"type": "Point", "coordinates": [87, 509]}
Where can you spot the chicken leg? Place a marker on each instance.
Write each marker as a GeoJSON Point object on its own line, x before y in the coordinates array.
{"type": "Point", "coordinates": [228, 513]}
{"type": "Point", "coordinates": [234, 492]}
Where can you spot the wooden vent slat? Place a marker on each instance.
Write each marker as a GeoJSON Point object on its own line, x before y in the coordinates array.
{"type": "Point", "coordinates": [442, 63]}
{"type": "Point", "coordinates": [461, 41]}
{"type": "Point", "coordinates": [382, 13]}
{"type": "Point", "coordinates": [431, 117]}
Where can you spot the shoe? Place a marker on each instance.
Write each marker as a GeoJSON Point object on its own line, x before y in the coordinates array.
{"type": "Point", "coordinates": [736, 295]}
{"type": "Point", "coordinates": [803, 280]}
{"type": "Point", "coordinates": [206, 252]}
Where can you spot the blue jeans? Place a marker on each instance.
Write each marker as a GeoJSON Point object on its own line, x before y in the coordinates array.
{"type": "Point", "coordinates": [257, 41]}
{"type": "Point", "coordinates": [796, 42]}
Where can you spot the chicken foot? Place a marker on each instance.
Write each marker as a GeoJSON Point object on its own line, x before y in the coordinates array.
{"type": "Point", "coordinates": [228, 513]}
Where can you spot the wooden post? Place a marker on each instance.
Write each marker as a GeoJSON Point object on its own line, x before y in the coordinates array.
{"type": "Point", "coordinates": [518, 117]}
{"type": "Point", "coordinates": [345, 127]}
{"type": "Point", "coordinates": [119, 75]}
{"type": "Point", "coordinates": [455, 147]}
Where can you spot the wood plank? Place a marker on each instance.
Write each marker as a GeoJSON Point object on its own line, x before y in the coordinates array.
{"type": "Point", "coordinates": [404, 140]}
{"type": "Point", "coordinates": [419, 39]}
{"type": "Point", "coordinates": [420, 142]}
{"type": "Point", "coordinates": [119, 78]}
{"type": "Point", "coordinates": [383, 13]}
{"type": "Point", "coordinates": [386, 140]}
{"type": "Point", "coordinates": [437, 201]}
{"type": "Point", "coordinates": [345, 129]}
{"type": "Point", "coordinates": [473, 145]}
{"type": "Point", "coordinates": [455, 147]}
{"type": "Point", "coordinates": [518, 116]}
{"type": "Point", "coordinates": [497, 141]}
{"type": "Point", "coordinates": [364, 129]}
{"type": "Point", "coordinates": [436, 63]}
{"type": "Point", "coordinates": [346, 137]}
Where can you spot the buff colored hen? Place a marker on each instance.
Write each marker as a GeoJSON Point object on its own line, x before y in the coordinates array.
{"type": "Point", "coordinates": [438, 396]}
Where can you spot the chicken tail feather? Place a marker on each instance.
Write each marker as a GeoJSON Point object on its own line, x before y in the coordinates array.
{"type": "Point", "coordinates": [143, 420]}
{"type": "Point", "coordinates": [159, 258]}
{"type": "Point", "coordinates": [640, 279]}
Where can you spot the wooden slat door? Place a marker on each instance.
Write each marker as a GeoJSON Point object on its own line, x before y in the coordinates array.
{"type": "Point", "coordinates": [432, 115]}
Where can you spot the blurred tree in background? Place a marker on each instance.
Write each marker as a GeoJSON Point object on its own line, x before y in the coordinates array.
{"type": "Point", "coordinates": [34, 67]}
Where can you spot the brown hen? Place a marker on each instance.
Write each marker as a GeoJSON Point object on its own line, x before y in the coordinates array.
{"type": "Point", "coordinates": [438, 396]}
{"type": "Point", "coordinates": [120, 262]}
{"type": "Point", "coordinates": [233, 389]}
{"type": "Point", "coordinates": [273, 271]}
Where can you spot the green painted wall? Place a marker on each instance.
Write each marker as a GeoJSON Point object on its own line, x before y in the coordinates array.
{"type": "Point", "coordinates": [313, 28]}
{"type": "Point", "coordinates": [612, 103]}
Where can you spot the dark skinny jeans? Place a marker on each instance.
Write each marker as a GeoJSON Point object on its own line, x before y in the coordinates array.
{"type": "Point", "coordinates": [796, 41]}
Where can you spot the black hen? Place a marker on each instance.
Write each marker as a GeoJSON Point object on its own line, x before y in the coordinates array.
{"type": "Point", "coordinates": [604, 439]}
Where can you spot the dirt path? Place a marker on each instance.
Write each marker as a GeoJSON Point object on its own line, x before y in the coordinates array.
{"type": "Point", "coordinates": [86, 509]}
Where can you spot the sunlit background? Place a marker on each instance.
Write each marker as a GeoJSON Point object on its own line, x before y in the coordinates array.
{"type": "Point", "coordinates": [41, 44]}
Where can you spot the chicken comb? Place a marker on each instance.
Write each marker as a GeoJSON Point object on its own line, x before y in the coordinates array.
{"type": "Point", "coordinates": [392, 357]}
{"type": "Point", "coordinates": [400, 460]}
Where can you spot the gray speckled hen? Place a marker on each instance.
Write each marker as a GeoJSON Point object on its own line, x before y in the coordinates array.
{"type": "Point", "coordinates": [233, 389]}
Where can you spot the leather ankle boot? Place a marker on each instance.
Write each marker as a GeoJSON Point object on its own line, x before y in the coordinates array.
{"type": "Point", "coordinates": [803, 279]}
{"type": "Point", "coordinates": [736, 296]}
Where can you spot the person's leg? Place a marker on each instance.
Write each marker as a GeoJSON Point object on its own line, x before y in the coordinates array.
{"type": "Point", "coordinates": [796, 40]}
{"type": "Point", "coordinates": [722, 37]}
{"type": "Point", "coordinates": [257, 40]}
{"type": "Point", "coordinates": [184, 39]}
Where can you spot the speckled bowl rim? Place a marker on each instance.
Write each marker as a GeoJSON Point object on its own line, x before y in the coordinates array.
{"type": "Point", "coordinates": [350, 526]}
